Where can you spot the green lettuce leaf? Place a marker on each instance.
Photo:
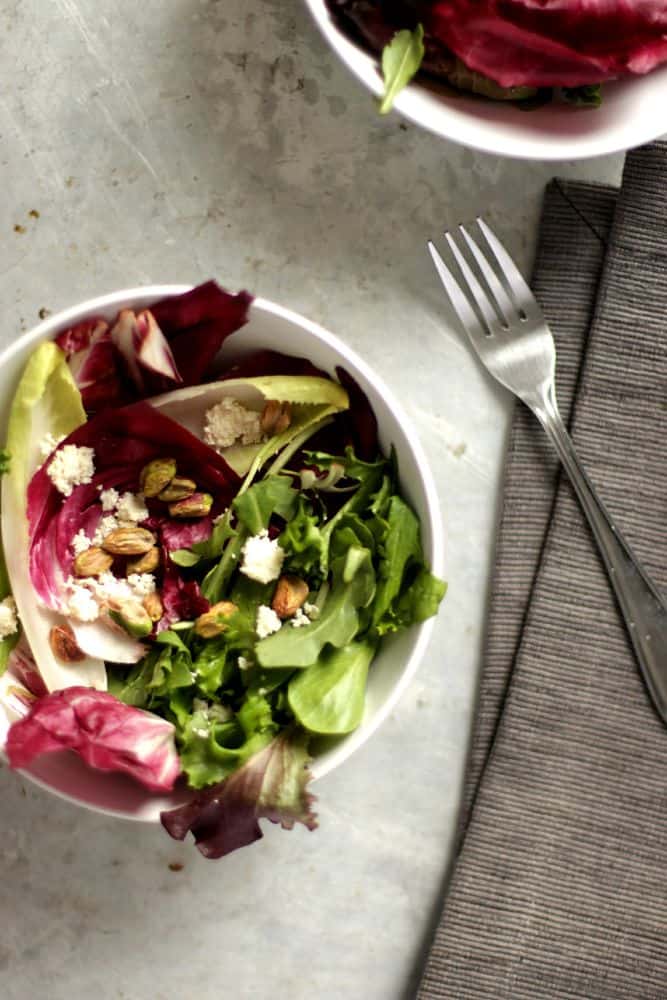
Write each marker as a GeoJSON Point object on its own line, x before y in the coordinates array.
{"type": "Point", "coordinates": [210, 749]}
{"type": "Point", "coordinates": [272, 495]}
{"type": "Point", "coordinates": [272, 784]}
{"type": "Point", "coordinates": [353, 587]}
{"type": "Point", "coordinates": [328, 697]}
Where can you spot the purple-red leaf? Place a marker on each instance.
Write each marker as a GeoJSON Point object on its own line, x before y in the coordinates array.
{"type": "Point", "coordinates": [182, 600]}
{"type": "Point", "coordinates": [270, 785]}
{"type": "Point", "coordinates": [145, 351]}
{"type": "Point", "coordinates": [105, 733]}
{"type": "Point", "coordinates": [124, 441]}
{"type": "Point", "coordinates": [197, 323]}
{"type": "Point", "coordinates": [552, 43]}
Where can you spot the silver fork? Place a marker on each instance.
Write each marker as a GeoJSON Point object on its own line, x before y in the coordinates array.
{"type": "Point", "coordinates": [506, 327]}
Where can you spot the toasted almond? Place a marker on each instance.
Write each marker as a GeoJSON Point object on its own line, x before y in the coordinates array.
{"type": "Point", "coordinates": [129, 541]}
{"type": "Point", "coordinates": [289, 595]}
{"type": "Point", "coordinates": [64, 645]}
{"type": "Point", "coordinates": [92, 562]}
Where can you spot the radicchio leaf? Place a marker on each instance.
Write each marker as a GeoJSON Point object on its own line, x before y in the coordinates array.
{"type": "Point", "coordinates": [145, 350]}
{"type": "Point", "coordinates": [270, 785]}
{"type": "Point", "coordinates": [182, 600]}
{"type": "Point", "coordinates": [124, 440]}
{"type": "Point", "coordinates": [105, 733]}
{"type": "Point", "coordinates": [94, 364]}
{"type": "Point", "coordinates": [197, 323]}
{"type": "Point", "coordinates": [553, 44]}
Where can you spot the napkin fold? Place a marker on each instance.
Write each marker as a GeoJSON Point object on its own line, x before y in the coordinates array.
{"type": "Point", "coordinates": [560, 884]}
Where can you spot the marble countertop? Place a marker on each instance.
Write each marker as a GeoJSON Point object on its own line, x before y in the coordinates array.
{"type": "Point", "coordinates": [160, 142]}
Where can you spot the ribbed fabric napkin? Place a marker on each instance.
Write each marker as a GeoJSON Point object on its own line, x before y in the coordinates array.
{"type": "Point", "coordinates": [560, 885]}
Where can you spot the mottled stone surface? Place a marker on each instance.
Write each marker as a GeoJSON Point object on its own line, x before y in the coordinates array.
{"type": "Point", "coordinates": [173, 141]}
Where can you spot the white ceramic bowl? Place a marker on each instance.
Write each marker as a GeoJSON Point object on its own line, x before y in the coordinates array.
{"type": "Point", "coordinates": [270, 326]}
{"type": "Point", "coordinates": [633, 111]}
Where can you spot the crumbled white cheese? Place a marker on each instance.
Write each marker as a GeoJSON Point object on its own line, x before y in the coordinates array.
{"type": "Point", "coordinates": [268, 621]}
{"type": "Point", "coordinates": [200, 732]}
{"type": "Point", "coordinates": [8, 621]}
{"type": "Point", "coordinates": [109, 499]}
{"type": "Point", "coordinates": [105, 527]}
{"type": "Point", "coordinates": [49, 443]}
{"type": "Point", "coordinates": [80, 542]}
{"type": "Point", "coordinates": [131, 507]}
{"type": "Point", "coordinates": [300, 618]}
{"type": "Point", "coordinates": [243, 663]}
{"type": "Point", "coordinates": [141, 584]}
{"type": "Point", "coordinates": [109, 587]}
{"type": "Point", "coordinates": [81, 603]}
{"type": "Point", "coordinates": [71, 466]}
{"type": "Point", "coordinates": [311, 610]}
{"type": "Point", "coordinates": [262, 558]}
{"type": "Point", "coordinates": [229, 422]}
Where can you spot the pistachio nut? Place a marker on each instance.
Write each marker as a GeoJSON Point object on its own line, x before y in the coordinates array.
{"type": "Point", "coordinates": [178, 489]}
{"type": "Point", "coordinates": [289, 595]}
{"type": "Point", "coordinates": [276, 417]}
{"type": "Point", "coordinates": [197, 505]}
{"type": "Point", "coordinates": [153, 606]}
{"type": "Point", "coordinates": [129, 541]}
{"type": "Point", "coordinates": [64, 645]}
{"type": "Point", "coordinates": [147, 563]}
{"type": "Point", "coordinates": [212, 622]}
{"type": "Point", "coordinates": [132, 617]}
{"type": "Point", "coordinates": [92, 562]}
{"type": "Point", "coordinates": [156, 475]}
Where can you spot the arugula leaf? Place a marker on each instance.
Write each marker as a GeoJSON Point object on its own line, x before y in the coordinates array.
{"type": "Point", "coordinates": [401, 59]}
{"type": "Point", "coordinates": [417, 603]}
{"type": "Point", "coordinates": [302, 540]}
{"type": "Point", "coordinates": [328, 697]}
{"type": "Point", "coordinates": [352, 588]}
{"type": "Point", "coordinates": [272, 495]}
{"type": "Point", "coordinates": [402, 547]}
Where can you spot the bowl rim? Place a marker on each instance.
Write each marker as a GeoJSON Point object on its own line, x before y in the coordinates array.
{"type": "Point", "coordinates": [364, 66]}
{"type": "Point", "coordinates": [332, 759]}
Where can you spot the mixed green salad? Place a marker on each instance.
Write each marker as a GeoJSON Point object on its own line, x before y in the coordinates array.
{"type": "Point", "coordinates": [200, 563]}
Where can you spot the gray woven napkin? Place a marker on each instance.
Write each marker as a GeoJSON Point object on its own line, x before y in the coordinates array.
{"type": "Point", "coordinates": [560, 886]}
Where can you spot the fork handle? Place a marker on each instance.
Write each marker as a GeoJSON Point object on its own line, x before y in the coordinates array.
{"type": "Point", "coordinates": [641, 604]}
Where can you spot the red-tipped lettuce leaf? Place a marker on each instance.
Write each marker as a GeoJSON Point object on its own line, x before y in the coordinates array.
{"type": "Point", "coordinates": [552, 43]}
{"type": "Point", "coordinates": [270, 785]}
{"type": "Point", "coordinates": [107, 734]}
{"type": "Point", "coordinates": [124, 440]}
{"type": "Point", "coordinates": [197, 323]}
